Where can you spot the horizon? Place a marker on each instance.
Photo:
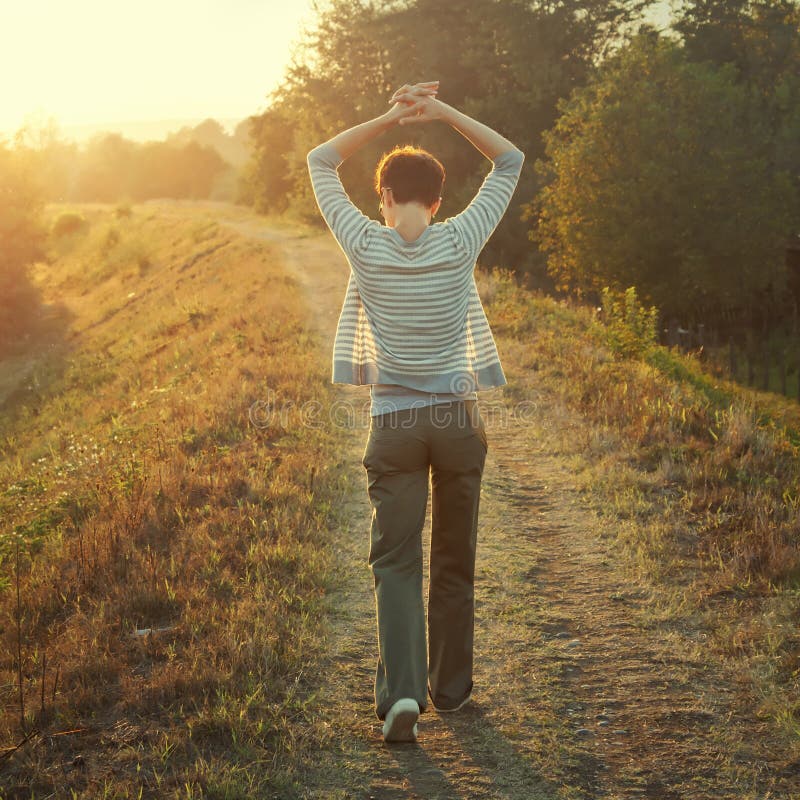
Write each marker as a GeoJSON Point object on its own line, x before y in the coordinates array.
{"type": "Point", "coordinates": [130, 67]}
{"type": "Point", "coordinates": [141, 130]}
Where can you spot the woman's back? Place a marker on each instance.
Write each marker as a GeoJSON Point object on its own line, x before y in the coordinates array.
{"type": "Point", "coordinates": [412, 314]}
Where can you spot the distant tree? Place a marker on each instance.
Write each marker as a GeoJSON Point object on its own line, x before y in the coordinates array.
{"type": "Point", "coordinates": [166, 170]}
{"type": "Point", "coordinates": [197, 168]}
{"type": "Point", "coordinates": [658, 175]}
{"type": "Point", "coordinates": [108, 168]}
{"type": "Point", "coordinates": [52, 158]}
{"type": "Point", "coordinates": [21, 242]}
{"type": "Point", "coordinates": [235, 150]}
{"type": "Point", "coordinates": [113, 167]}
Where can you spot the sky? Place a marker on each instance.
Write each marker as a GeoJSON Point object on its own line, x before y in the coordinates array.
{"type": "Point", "coordinates": [91, 64]}
{"type": "Point", "coordinates": [85, 62]}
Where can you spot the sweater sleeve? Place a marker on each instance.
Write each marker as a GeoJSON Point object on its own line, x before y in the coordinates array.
{"type": "Point", "coordinates": [476, 223]}
{"type": "Point", "coordinates": [347, 223]}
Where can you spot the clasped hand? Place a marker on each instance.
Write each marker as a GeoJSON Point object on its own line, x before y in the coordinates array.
{"type": "Point", "coordinates": [415, 103]}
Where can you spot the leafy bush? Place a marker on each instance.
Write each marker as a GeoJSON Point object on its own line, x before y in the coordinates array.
{"type": "Point", "coordinates": [67, 223]}
{"type": "Point", "coordinates": [630, 329]}
{"type": "Point", "coordinates": [669, 169]}
{"type": "Point", "coordinates": [21, 243]}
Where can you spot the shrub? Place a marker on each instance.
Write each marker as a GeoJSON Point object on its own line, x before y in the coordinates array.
{"type": "Point", "coordinates": [68, 222]}
{"type": "Point", "coordinates": [630, 328]}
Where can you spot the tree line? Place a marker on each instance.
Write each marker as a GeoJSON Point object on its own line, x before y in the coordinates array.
{"type": "Point", "coordinates": [665, 159]}
{"type": "Point", "coordinates": [200, 162]}
{"type": "Point", "coordinates": [195, 163]}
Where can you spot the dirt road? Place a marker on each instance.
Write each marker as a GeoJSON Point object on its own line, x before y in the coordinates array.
{"type": "Point", "coordinates": [582, 689]}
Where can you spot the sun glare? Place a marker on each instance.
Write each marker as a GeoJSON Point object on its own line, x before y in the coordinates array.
{"type": "Point", "coordinates": [95, 61]}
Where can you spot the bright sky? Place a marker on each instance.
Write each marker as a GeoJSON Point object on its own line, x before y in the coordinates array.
{"type": "Point", "coordinates": [89, 61]}
{"type": "Point", "coordinates": [85, 62]}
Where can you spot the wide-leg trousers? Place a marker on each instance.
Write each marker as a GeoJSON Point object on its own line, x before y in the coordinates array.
{"type": "Point", "coordinates": [443, 444]}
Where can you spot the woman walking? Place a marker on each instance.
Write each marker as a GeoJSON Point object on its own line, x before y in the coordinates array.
{"type": "Point", "coordinates": [413, 327]}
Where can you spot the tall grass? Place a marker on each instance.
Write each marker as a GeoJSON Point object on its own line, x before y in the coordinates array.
{"type": "Point", "coordinates": [699, 477]}
{"type": "Point", "coordinates": [172, 562]}
{"type": "Point", "coordinates": [727, 448]}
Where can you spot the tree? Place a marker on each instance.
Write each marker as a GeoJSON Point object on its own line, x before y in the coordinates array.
{"type": "Point", "coordinates": [168, 170]}
{"type": "Point", "coordinates": [107, 168]}
{"type": "Point", "coordinates": [761, 40]}
{"type": "Point", "coordinates": [266, 176]}
{"type": "Point", "coordinates": [506, 63]}
{"type": "Point", "coordinates": [52, 158]}
{"type": "Point", "coordinates": [758, 37]}
{"type": "Point", "coordinates": [660, 176]}
{"type": "Point", "coordinates": [209, 133]}
{"type": "Point", "coordinates": [21, 242]}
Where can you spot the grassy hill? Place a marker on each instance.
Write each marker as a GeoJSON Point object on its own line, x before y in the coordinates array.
{"type": "Point", "coordinates": [698, 477]}
{"type": "Point", "coordinates": [161, 564]}
{"type": "Point", "coordinates": [167, 507]}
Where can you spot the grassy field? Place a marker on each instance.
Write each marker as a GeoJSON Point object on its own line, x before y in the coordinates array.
{"type": "Point", "coordinates": [166, 568]}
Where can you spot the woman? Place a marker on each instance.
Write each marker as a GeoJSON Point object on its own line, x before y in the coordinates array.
{"type": "Point", "coordinates": [413, 327]}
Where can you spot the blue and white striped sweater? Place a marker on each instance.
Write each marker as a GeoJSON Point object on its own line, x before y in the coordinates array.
{"type": "Point", "coordinates": [412, 318]}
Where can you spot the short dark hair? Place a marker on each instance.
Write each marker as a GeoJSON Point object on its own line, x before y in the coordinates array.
{"type": "Point", "coordinates": [413, 175]}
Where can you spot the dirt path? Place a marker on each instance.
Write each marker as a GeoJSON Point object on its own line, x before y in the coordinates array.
{"type": "Point", "coordinates": [581, 689]}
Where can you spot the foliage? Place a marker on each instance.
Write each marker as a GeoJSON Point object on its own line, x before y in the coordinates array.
{"type": "Point", "coordinates": [68, 222]}
{"type": "Point", "coordinates": [111, 168]}
{"type": "Point", "coordinates": [21, 241]}
{"type": "Point", "coordinates": [266, 174]}
{"type": "Point", "coordinates": [233, 148]}
{"type": "Point", "coordinates": [660, 176]}
{"type": "Point", "coordinates": [53, 160]}
{"type": "Point", "coordinates": [630, 328]}
{"type": "Point", "coordinates": [115, 167]}
{"type": "Point", "coordinates": [760, 39]}
{"type": "Point", "coordinates": [506, 64]}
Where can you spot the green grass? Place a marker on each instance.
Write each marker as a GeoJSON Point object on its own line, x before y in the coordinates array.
{"type": "Point", "coordinates": [697, 475]}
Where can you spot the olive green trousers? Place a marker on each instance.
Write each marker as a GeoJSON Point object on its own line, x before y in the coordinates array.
{"type": "Point", "coordinates": [444, 444]}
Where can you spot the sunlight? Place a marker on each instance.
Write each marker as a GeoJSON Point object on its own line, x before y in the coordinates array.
{"type": "Point", "coordinates": [95, 61]}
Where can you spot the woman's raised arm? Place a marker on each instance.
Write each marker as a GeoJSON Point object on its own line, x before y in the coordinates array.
{"type": "Point", "coordinates": [488, 141]}
{"type": "Point", "coordinates": [348, 142]}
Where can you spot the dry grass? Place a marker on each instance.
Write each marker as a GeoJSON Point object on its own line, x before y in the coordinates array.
{"type": "Point", "coordinates": [164, 533]}
{"type": "Point", "coordinates": [699, 475]}
{"type": "Point", "coordinates": [173, 568]}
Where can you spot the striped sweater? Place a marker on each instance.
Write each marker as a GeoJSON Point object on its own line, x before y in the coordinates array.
{"type": "Point", "coordinates": [412, 315]}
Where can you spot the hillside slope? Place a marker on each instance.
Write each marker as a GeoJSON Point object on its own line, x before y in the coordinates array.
{"type": "Point", "coordinates": [170, 504]}
{"type": "Point", "coordinates": [181, 463]}
{"type": "Point", "coordinates": [618, 653]}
